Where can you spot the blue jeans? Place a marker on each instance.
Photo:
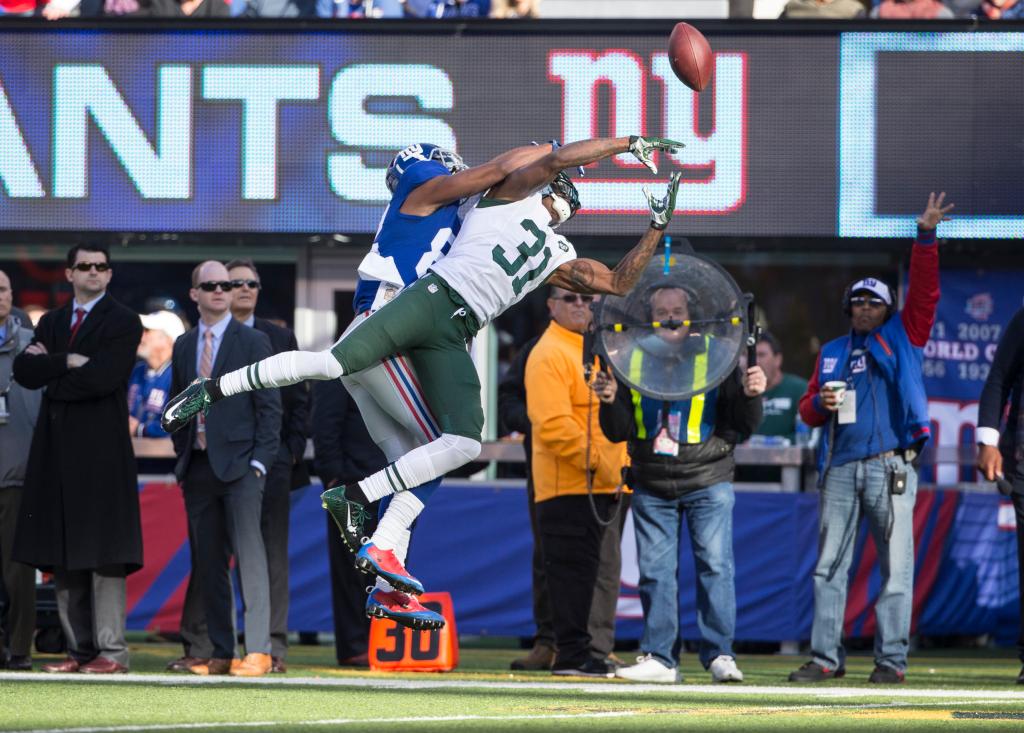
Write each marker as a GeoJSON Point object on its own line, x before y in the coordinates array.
{"type": "Point", "coordinates": [850, 490]}
{"type": "Point", "coordinates": [658, 523]}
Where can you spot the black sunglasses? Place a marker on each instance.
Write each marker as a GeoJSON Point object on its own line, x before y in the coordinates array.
{"type": "Point", "coordinates": [86, 266]}
{"type": "Point", "coordinates": [572, 297]}
{"type": "Point", "coordinates": [861, 300]}
{"type": "Point", "coordinates": [251, 284]}
{"type": "Point", "coordinates": [210, 286]}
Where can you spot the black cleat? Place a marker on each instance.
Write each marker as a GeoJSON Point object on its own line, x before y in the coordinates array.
{"type": "Point", "coordinates": [350, 514]}
{"type": "Point", "coordinates": [185, 405]}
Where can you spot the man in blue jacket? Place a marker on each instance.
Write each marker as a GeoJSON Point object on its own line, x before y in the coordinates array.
{"type": "Point", "coordinates": [867, 392]}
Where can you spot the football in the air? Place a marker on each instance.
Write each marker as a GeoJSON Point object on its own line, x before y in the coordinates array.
{"type": "Point", "coordinates": [690, 56]}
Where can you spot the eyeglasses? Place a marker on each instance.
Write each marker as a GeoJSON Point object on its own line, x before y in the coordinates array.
{"type": "Point", "coordinates": [251, 284]}
{"type": "Point", "coordinates": [211, 286]}
{"type": "Point", "coordinates": [861, 300]}
{"type": "Point", "coordinates": [574, 297]}
{"type": "Point", "coordinates": [86, 266]}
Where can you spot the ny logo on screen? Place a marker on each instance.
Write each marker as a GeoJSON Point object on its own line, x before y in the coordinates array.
{"type": "Point", "coordinates": [713, 161]}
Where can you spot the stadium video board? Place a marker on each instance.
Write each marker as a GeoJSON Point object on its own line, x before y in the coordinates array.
{"type": "Point", "coordinates": [236, 130]}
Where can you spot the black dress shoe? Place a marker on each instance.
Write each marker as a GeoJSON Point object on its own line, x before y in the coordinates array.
{"type": "Point", "coordinates": [1020, 677]}
{"type": "Point", "coordinates": [589, 668]}
{"type": "Point", "coordinates": [814, 672]}
{"type": "Point", "coordinates": [19, 663]}
{"type": "Point", "coordinates": [883, 675]}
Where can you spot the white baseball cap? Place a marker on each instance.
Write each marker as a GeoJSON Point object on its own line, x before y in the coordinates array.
{"type": "Point", "coordinates": [164, 321]}
{"type": "Point", "coordinates": [872, 285]}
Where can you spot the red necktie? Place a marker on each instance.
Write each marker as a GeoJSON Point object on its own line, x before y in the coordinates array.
{"type": "Point", "coordinates": [79, 317]}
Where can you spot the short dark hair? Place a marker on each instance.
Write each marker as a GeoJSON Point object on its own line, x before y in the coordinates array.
{"type": "Point", "coordinates": [244, 262]}
{"type": "Point", "coordinates": [87, 247]}
{"type": "Point", "coordinates": [767, 337]}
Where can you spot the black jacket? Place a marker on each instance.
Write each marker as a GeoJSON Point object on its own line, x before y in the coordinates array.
{"type": "Point", "coordinates": [697, 466]}
{"type": "Point", "coordinates": [344, 451]}
{"type": "Point", "coordinates": [295, 406]}
{"type": "Point", "coordinates": [80, 506]}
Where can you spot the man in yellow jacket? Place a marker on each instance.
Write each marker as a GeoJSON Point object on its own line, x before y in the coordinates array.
{"type": "Point", "coordinates": [582, 558]}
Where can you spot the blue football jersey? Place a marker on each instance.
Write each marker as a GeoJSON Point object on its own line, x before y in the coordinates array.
{"type": "Point", "coordinates": [405, 245]}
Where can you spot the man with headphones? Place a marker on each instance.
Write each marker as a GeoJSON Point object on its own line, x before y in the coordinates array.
{"type": "Point", "coordinates": [867, 393]}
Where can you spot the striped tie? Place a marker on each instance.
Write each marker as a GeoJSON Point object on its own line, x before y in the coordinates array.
{"type": "Point", "coordinates": [205, 370]}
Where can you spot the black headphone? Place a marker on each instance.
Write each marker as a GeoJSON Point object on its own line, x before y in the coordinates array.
{"type": "Point", "coordinates": [848, 294]}
{"type": "Point", "coordinates": [692, 302]}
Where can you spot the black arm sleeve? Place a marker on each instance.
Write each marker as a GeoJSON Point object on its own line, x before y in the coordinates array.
{"type": "Point", "coordinates": [1006, 367]}
{"type": "Point", "coordinates": [616, 418]}
{"type": "Point", "coordinates": [512, 394]}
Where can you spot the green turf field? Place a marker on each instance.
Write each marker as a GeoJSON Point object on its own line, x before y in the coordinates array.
{"type": "Point", "coordinates": [964, 690]}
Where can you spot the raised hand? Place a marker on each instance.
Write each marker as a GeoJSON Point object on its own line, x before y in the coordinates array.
{"type": "Point", "coordinates": [935, 211]}
{"type": "Point", "coordinates": [643, 148]}
{"type": "Point", "coordinates": [663, 208]}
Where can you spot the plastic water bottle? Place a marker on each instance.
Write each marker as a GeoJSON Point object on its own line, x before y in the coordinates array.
{"type": "Point", "coordinates": [802, 432]}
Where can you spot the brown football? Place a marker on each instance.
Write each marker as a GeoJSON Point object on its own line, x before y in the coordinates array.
{"type": "Point", "coordinates": [690, 56]}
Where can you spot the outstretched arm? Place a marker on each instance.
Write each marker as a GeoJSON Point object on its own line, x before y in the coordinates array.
{"type": "Point", "coordinates": [539, 173]}
{"type": "Point", "coordinates": [437, 192]}
{"type": "Point", "coordinates": [590, 276]}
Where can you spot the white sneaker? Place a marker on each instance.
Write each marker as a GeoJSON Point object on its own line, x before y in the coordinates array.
{"type": "Point", "coordinates": [724, 669]}
{"type": "Point", "coordinates": [648, 669]}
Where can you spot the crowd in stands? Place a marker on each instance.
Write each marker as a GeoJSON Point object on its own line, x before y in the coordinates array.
{"type": "Point", "coordinates": [456, 9]}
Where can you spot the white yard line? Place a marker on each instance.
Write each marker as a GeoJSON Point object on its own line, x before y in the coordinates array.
{"type": "Point", "coordinates": [332, 721]}
{"type": "Point", "coordinates": [440, 683]}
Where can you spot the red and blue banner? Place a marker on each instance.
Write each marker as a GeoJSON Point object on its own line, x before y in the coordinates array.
{"type": "Point", "coordinates": [975, 307]}
{"type": "Point", "coordinates": [474, 542]}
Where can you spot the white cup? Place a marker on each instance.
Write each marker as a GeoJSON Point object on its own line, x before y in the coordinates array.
{"type": "Point", "coordinates": [838, 388]}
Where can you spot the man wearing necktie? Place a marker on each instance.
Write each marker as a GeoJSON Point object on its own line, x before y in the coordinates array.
{"type": "Point", "coordinates": [222, 465]}
{"type": "Point", "coordinates": [79, 514]}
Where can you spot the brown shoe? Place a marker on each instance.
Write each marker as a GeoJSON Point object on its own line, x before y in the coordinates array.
{"type": "Point", "coordinates": [359, 660]}
{"type": "Point", "coordinates": [102, 665]}
{"type": "Point", "coordinates": [540, 657]}
{"type": "Point", "coordinates": [68, 665]}
{"type": "Point", "coordinates": [184, 664]}
{"type": "Point", "coordinates": [277, 665]}
{"type": "Point", "coordinates": [253, 665]}
{"type": "Point", "coordinates": [213, 667]}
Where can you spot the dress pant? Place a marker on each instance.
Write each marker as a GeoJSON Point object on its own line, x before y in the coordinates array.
{"type": "Point", "coordinates": [348, 594]}
{"type": "Point", "coordinates": [91, 605]}
{"type": "Point", "coordinates": [604, 607]}
{"type": "Point", "coordinates": [571, 539]}
{"type": "Point", "coordinates": [1018, 508]}
{"type": "Point", "coordinates": [541, 603]}
{"type": "Point", "coordinates": [19, 582]}
{"type": "Point", "coordinates": [274, 526]}
{"type": "Point", "coordinates": [224, 519]}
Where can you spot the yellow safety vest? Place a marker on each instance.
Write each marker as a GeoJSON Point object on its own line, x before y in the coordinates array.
{"type": "Point", "coordinates": [700, 378]}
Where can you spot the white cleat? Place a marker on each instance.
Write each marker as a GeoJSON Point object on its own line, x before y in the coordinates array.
{"type": "Point", "coordinates": [724, 669]}
{"type": "Point", "coordinates": [649, 669]}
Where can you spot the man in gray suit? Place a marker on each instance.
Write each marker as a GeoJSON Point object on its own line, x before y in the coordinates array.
{"type": "Point", "coordinates": [222, 471]}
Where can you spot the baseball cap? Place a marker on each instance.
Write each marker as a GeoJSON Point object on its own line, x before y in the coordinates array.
{"type": "Point", "coordinates": [872, 285]}
{"type": "Point", "coordinates": [164, 321]}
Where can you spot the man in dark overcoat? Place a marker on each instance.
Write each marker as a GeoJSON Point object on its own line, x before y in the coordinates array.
{"type": "Point", "coordinates": [80, 511]}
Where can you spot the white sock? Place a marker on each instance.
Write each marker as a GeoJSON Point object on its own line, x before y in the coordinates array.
{"type": "Point", "coordinates": [394, 525]}
{"type": "Point", "coordinates": [280, 370]}
{"type": "Point", "coordinates": [401, 551]}
{"type": "Point", "coordinates": [421, 465]}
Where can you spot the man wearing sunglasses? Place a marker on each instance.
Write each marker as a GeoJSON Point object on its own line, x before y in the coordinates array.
{"type": "Point", "coordinates": [582, 556]}
{"type": "Point", "coordinates": [867, 393]}
{"type": "Point", "coordinates": [80, 510]}
{"type": "Point", "coordinates": [222, 466]}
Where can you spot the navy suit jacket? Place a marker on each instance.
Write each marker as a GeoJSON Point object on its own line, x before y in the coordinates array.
{"type": "Point", "coordinates": [239, 428]}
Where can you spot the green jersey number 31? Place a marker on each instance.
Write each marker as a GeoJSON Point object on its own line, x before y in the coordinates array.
{"type": "Point", "coordinates": [526, 251]}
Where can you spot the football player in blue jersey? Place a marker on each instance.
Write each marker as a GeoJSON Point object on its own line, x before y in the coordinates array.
{"type": "Point", "coordinates": [428, 186]}
{"type": "Point", "coordinates": [420, 223]}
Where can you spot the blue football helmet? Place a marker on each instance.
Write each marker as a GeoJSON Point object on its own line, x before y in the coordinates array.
{"type": "Point", "coordinates": [417, 153]}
